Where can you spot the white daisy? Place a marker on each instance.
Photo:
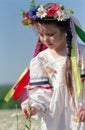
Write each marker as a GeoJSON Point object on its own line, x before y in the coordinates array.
{"type": "Point", "coordinates": [62, 15]}
{"type": "Point", "coordinates": [41, 12]}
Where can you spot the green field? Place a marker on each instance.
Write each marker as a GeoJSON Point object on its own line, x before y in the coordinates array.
{"type": "Point", "coordinates": [7, 105]}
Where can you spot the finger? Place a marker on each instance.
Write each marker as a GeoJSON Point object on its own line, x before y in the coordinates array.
{"type": "Point", "coordinates": [82, 116]}
{"type": "Point", "coordinates": [23, 112]}
{"type": "Point", "coordinates": [79, 111]}
{"type": "Point", "coordinates": [26, 113]}
{"type": "Point", "coordinates": [32, 111]}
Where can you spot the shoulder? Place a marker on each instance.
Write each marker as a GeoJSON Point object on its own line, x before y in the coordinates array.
{"type": "Point", "coordinates": [37, 67]}
{"type": "Point", "coordinates": [43, 53]}
{"type": "Point", "coordinates": [42, 57]}
{"type": "Point", "coordinates": [37, 60]}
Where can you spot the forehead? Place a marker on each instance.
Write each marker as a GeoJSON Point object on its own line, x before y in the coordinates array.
{"type": "Point", "coordinates": [47, 28]}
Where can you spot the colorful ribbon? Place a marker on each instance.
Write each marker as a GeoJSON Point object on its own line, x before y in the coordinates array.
{"type": "Point", "coordinates": [19, 87]}
{"type": "Point", "coordinates": [76, 71]}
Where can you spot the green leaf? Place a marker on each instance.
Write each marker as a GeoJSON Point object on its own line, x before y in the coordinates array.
{"type": "Point", "coordinates": [32, 3]}
{"type": "Point", "coordinates": [27, 127]}
{"type": "Point", "coordinates": [62, 7]}
{"type": "Point", "coordinates": [71, 11]}
{"type": "Point", "coordinates": [22, 12]}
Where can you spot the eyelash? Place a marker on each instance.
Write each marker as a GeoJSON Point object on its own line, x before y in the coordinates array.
{"type": "Point", "coordinates": [47, 35]}
{"type": "Point", "coordinates": [52, 34]}
{"type": "Point", "coordinates": [41, 34]}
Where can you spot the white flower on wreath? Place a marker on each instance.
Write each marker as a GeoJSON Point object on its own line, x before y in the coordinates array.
{"type": "Point", "coordinates": [41, 12]}
{"type": "Point", "coordinates": [62, 15]}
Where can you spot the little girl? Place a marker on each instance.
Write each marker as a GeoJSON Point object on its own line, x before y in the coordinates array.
{"type": "Point", "coordinates": [55, 86]}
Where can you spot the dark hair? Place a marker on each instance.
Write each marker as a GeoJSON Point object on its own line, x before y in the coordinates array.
{"type": "Point", "coordinates": [68, 69]}
{"type": "Point", "coordinates": [64, 26]}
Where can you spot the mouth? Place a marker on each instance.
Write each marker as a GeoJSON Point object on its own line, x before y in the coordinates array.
{"type": "Point", "coordinates": [49, 44]}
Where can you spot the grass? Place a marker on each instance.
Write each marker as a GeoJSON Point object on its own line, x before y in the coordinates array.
{"type": "Point", "coordinates": [21, 124]}
{"type": "Point", "coordinates": [32, 123]}
{"type": "Point", "coordinates": [7, 105]}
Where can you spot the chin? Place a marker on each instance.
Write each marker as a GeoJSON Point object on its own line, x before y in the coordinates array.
{"type": "Point", "coordinates": [51, 47]}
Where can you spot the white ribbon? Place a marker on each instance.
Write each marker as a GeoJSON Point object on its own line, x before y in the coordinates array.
{"type": "Point", "coordinates": [75, 21]}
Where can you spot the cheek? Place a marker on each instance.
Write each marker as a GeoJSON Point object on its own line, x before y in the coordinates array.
{"type": "Point", "coordinates": [58, 37]}
{"type": "Point", "coordinates": [54, 38]}
{"type": "Point", "coordinates": [41, 39]}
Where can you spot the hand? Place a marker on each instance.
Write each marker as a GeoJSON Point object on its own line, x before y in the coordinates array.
{"type": "Point", "coordinates": [29, 111]}
{"type": "Point", "coordinates": [81, 114]}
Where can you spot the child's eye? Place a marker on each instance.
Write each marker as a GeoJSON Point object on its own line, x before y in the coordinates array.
{"type": "Point", "coordinates": [41, 34]}
{"type": "Point", "coordinates": [51, 34]}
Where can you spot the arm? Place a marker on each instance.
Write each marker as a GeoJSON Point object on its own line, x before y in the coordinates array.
{"type": "Point", "coordinates": [40, 91]}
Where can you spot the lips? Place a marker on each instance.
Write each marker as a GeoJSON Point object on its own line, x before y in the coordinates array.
{"type": "Point", "coordinates": [49, 44]}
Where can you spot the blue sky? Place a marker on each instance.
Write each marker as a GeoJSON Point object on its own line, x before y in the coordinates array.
{"type": "Point", "coordinates": [17, 42]}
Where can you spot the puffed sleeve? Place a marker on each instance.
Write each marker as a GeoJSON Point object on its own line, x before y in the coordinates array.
{"type": "Point", "coordinates": [40, 90]}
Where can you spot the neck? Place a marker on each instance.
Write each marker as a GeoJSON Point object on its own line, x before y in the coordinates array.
{"type": "Point", "coordinates": [61, 47]}
{"type": "Point", "coordinates": [59, 51]}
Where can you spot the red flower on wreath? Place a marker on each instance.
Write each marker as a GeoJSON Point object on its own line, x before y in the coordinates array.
{"type": "Point", "coordinates": [53, 11]}
{"type": "Point", "coordinates": [26, 19]}
{"type": "Point", "coordinates": [26, 15]}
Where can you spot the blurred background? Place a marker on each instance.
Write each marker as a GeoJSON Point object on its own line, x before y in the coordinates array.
{"type": "Point", "coordinates": [17, 42]}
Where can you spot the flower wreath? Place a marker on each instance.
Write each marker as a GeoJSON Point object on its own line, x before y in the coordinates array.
{"type": "Point", "coordinates": [56, 12]}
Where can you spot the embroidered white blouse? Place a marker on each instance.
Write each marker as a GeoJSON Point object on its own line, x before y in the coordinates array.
{"type": "Point", "coordinates": [49, 94]}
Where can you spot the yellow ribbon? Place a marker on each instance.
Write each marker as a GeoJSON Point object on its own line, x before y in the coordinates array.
{"type": "Point", "coordinates": [11, 91]}
{"type": "Point", "coordinates": [76, 71]}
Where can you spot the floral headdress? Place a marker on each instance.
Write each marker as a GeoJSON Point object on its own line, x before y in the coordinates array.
{"type": "Point", "coordinates": [56, 12]}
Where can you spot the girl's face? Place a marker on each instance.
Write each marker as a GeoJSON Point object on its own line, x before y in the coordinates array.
{"type": "Point", "coordinates": [51, 36]}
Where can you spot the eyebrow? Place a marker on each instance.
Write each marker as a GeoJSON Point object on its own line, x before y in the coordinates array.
{"type": "Point", "coordinates": [46, 33]}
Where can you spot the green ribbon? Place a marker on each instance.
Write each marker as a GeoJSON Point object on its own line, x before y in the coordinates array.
{"type": "Point", "coordinates": [80, 33]}
{"type": "Point", "coordinates": [76, 71]}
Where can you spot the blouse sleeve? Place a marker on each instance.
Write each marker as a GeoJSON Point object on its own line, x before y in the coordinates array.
{"type": "Point", "coordinates": [40, 90]}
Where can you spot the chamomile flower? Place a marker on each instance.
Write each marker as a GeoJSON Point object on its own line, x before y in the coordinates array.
{"type": "Point", "coordinates": [62, 15]}
{"type": "Point", "coordinates": [41, 12]}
